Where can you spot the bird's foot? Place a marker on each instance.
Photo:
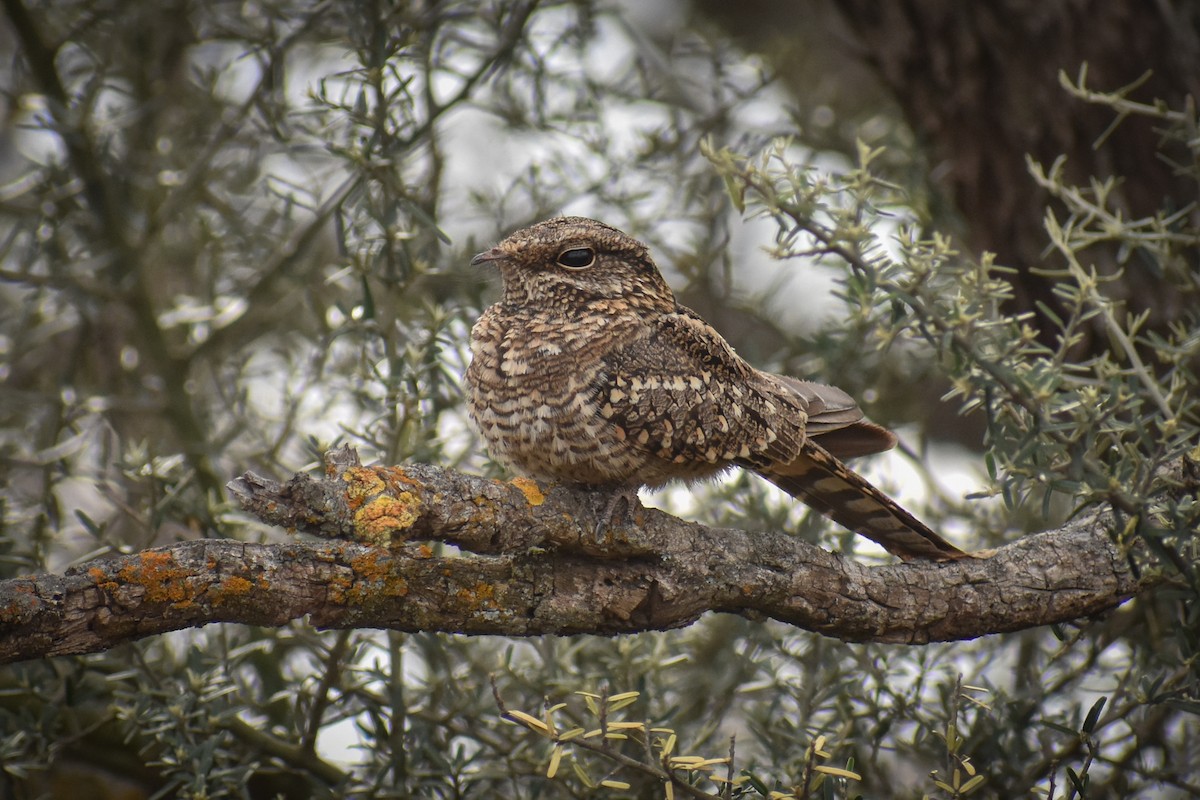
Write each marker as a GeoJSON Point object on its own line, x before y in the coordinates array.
{"type": "Point", "coordinates": [620, 508]}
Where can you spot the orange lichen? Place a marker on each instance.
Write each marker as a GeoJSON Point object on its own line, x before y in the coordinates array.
{"type": "Point", "coordinates": [529, 488]}
{"type": "Point", "coordinates": [24, 599]}
{"type": "Point", "coordinates": [397, 476]}
{"type": "Point", "coordinates": [101, 579]}
{"type": "Point", "coordinates": [375, 522]}
{"type": "Point", "coordinates": [362, 483]}
{"type": "Point", "coordinates": [338, 588]}
{"type": "Point", "coordinates": [371, 565]}
{"type": "Point", "coordinates": [481, 595]}
{"type": "Point", "coordinates": [373, 578]}
{"type": "Point", "coordinates": [229, 588]}
{"type": "Point", "coordinates": [160, 577]}
{"type": "Point", "coordinates": [380, 505]}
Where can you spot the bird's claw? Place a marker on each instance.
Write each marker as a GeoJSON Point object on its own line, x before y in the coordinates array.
{"type": "Point", "coordinates": [619, 509]}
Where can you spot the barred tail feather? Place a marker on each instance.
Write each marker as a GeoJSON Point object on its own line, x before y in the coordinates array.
{"type": "Point", "coordinates": [826, 484]}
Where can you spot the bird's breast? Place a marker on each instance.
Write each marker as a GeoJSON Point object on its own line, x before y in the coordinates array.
{"type": "Point", "coordinates": [535, 386]}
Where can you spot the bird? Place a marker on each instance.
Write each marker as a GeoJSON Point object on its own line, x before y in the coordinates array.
{"type": "Point", "coordinates": [587, 371]}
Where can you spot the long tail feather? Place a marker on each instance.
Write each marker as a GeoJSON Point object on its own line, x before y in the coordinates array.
{"type": "Point", "coordinates": [821, 481]}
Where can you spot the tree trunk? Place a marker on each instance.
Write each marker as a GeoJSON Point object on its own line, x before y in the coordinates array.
{"type": "Point", "coordinates": [978, 84]}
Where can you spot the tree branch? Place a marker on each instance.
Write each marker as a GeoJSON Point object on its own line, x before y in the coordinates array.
{"type": "Point", "coordinates": [531, 564]}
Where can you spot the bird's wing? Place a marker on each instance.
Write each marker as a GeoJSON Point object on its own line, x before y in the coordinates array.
{"type": "Point", "coordinates": [836, 422]}
{"type": "Point", "coordinates": [680, 393]}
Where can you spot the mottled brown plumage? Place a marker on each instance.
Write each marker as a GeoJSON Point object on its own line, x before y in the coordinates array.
{"type": "Point", "coordinates": [587, 371]}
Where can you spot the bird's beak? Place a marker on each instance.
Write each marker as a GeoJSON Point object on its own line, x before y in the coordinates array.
{"type": "Point", "coordinates": [487, 256]}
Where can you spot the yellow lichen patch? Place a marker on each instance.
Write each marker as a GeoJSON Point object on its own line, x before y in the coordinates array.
{"type": "Point", "coordinates": [163, 581]}
{"type": "Point", "coordinates": [362, 483]}
{"type": "Point", "coordinates": [375, 522]}
{"type": "Point", "coordinates": [481, 595]}
{"type": "Point", "coordinates": [529, 488]}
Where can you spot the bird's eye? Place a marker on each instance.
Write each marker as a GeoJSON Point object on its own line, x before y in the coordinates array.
{"type": "Point", "coordinates": [577, 257]}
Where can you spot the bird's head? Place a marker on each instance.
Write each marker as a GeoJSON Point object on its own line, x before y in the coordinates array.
{"type": "Point", "coordinates": [575, 259]}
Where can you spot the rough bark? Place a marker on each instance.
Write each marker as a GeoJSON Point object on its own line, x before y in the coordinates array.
{"type": "Point", "coordinates": [530, 563]}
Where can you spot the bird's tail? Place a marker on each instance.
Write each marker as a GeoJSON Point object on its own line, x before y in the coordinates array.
{"type": "Point", "coordinates": [820, 480]}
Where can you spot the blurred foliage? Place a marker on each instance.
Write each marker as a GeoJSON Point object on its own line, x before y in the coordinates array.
{"type": "Point", "coordinates": [232, 235]}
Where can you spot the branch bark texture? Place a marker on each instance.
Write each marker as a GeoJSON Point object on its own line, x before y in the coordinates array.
{"type": "Point", "coordinates": [529, 562]}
